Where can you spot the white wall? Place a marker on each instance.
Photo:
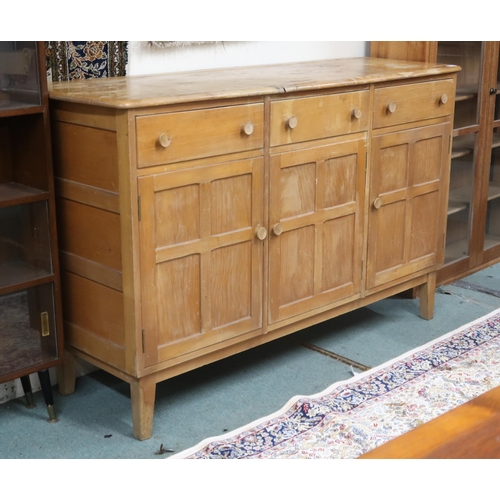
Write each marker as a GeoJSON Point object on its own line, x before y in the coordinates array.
{"type": "Point", "coordinates": [144, 59]}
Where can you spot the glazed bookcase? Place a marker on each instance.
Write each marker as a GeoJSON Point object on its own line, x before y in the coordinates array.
{"type": "Point", "coordinates": [30, 304]}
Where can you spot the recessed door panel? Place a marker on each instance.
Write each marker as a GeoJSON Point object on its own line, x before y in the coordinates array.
{"type": "Point", "coordinates": [201, 261]}
{"type": "Point", "coordinates": [316, 227]}
{"type": "Point", "coordinates": [404, 217]}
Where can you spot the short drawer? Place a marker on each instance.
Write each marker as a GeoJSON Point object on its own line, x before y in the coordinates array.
{"type": "Point", "coordinates": [309, 118]}
{"type": "Point", "coordinates": [187, 135]}
{"type": "Point", "coordinates": [413, 102]}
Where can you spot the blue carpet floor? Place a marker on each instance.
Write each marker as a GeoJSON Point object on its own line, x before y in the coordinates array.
{"type": "Point", "coordinates": [95, 421]}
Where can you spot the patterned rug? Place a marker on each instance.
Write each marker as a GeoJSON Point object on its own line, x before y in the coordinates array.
{"type": "Point", "coordinates": [354, 416]}
{"type": "Point", "coordinates": [82, 60]}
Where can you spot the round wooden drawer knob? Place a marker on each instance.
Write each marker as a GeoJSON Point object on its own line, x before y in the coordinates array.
{"type": "Point", "coordinates": [164, 141]}
{"type": "Point", "coordinates": [391, 107]}
{"type": "Point", "coordinates": [443, 99]}
{"type": "Point", "coordinates": [292, 122]}
{"type": "Point", "coordinates": [248, 128]}
{"type": "Point", "coordinates": [377, 203]}
{"type": "Point", "coordinates": [261, 233]}
{"type": "Point", "coordinates": [277, 229]}
{"type": "Point", "coordinates": [357, 113]}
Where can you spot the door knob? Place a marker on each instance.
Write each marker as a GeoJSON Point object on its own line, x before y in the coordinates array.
{"type": "Point", "coordinates": [377, 203]}
{"type": "Point", "coordinates": [277, 229]}
{"type": "Point", "coordinates": [261, 233]}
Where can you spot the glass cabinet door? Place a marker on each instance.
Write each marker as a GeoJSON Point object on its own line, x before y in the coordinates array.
{"type": "Point", "coordinates": [469, 56]}
{"type": "Point", "coordinates": [19, 84]}
{"type": "Point", "coordinates": [492, 227]}
{"type": "Point", "coordinates": [27, 329]}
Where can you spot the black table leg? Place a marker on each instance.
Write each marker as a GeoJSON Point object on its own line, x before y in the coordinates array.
{"type": "Point", "coordinates": [25, 381]}
{"type": "Point", "coordinates": [47, 394]}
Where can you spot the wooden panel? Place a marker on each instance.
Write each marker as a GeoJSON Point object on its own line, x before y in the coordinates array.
{"type": "Point", "coordinates": [388, 231]}
{"type": "Point", "coordinates": [339, 267]}
{"type": "Point", "coordinates": [338, 181]}
{"type": "Point", "coordinates": [231, 206]}
{"type": "Point", "coordinates": [88, 195]}
{"type": "Point", "coordinates": [426, 156]}
{"type": "Point", "coordinates": [316, 200]}
{"type": "Point", "coordinates": [231, 284]}
{"type": "Point", "coordinates": [197, 134]}
{"type": "Point", "coordinates": [182, 205]}
{"type": "Point", "coordinates": [93, 308]}
{"type": "Point", "coordinates": [298, 190]}
{"type": "Point", "coordinates": [179, 292]}
{"type": "Point", "coordinates": [407, 51]}
{"type": "Point", "coordinates": [85, 155]}
{"type": "Point", "coordinates": [406, 228]}
{"type": "Point", "coordinates": [414, 102]}
{"type": "Point", "coordinates": [318, 117]}
{"type": "Point", "coordinates": [201, 263]}
{"type": "Point", "coordinates": [424, 225]}
{"type": "Point", "coordinates": [296, 272]}
{"type": "Point", "coordinates": [90, 233]}
{"type": "Point", "coordinates": [391, 171]}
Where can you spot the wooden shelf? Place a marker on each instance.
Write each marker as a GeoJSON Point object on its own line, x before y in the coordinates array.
{"type": "Point", "coordinates": [457, 250]}
{"type": "Point", "coordinates": [491, 240]}
{"type": "Point", "coordinates": [493, 191]}
{"type": "Point", "coordinates": [12, 193]}
{"type": "Point", "coordinates": [455, 206]}
{"type": "Point", "coordinates": [461, 198]}
{"type": "Point", "coordinates": [466, 93]}
{"type": "Point", "coordinates": [462, 146]}
{"type": "Point", "coordinates": [461, 195]}
{"type": "Point", "coordinates": [18, 272]}
{"type": "Point", "coordinates": [496, 141]}
{"type": "Point", "coordinates": [14, 108]}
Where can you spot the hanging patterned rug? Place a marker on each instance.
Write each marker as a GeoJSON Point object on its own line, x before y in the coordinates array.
{"type": "Point", "coordinates": [354, 416]}
{"type": "Point", "coordinates": [83, 60]}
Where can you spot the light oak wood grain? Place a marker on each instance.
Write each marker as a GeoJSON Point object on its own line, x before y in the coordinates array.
{"type": "Point", "coordinates": [222, 236]}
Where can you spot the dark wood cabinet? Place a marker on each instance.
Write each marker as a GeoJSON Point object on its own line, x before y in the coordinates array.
{"type": "Point", "coordinates": [473, 220]}
{"type": "Point", "coordinates": [30, 297]}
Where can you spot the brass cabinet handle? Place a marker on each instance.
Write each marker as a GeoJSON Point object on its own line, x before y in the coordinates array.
{"type": "Point", "coordinates": [164, 140]}
{"type": "Point", "coordinates": [292, 122]}
{"type": "Point", "coordinates": [261, 233]}
{"type": "Point", "coordinates": [443, 99]}
{"type": "Point", "coordinates": [357, 113]}
{"type": "Point", "coordinates": [391, 107]}
{"type": "Point", "coordinates": [248, 128]}
{"type": "Point", "coordinates": [277, 229]}
{"type": "Point", "coordinates": [377, 203]}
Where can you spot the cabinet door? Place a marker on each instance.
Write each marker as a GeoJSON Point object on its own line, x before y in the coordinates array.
{"type": "Point", "coordinates": [316, 227]}
{"type": "Point", "coordinates": [201, 261]}
{"type": "Point", "coordinates": [408, 186]}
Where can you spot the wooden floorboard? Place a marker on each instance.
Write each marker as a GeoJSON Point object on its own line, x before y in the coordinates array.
{"type": "Point", "coordinates": [471, 430]}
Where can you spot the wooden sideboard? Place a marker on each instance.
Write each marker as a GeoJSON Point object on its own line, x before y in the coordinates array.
{"type": "Point", "coordinates": [205, 213]}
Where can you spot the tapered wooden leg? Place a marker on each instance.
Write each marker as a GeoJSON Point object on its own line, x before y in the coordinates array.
{"type": "Point", "coordinates": [66, 375]}
{"type": "Point", "coordinates": [427, 293]}
{"type": "Point", "coordinates": [142, 392]}
{"type": "Point", "coordinates": [47, 394]}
